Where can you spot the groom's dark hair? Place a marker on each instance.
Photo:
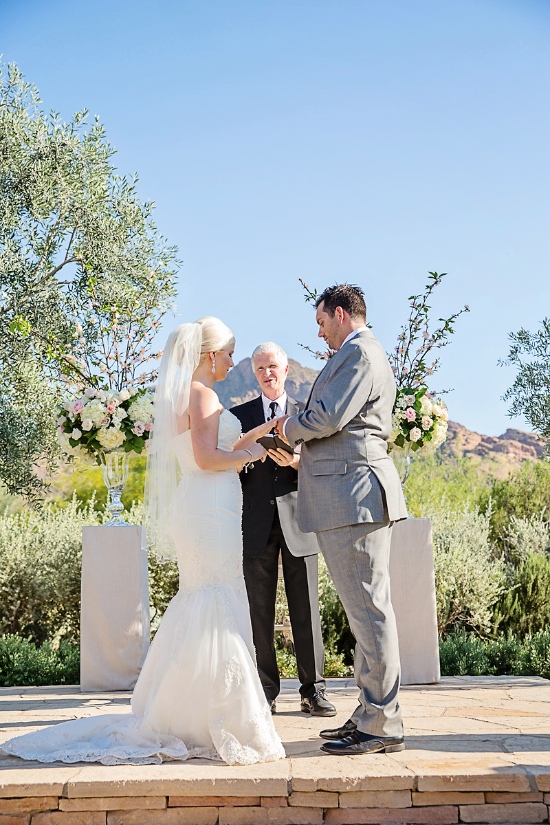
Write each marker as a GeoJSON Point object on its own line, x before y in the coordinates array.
{"type": "Point", "coordinates": [351, 298]}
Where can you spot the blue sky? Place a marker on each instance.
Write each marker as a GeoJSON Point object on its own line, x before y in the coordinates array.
{"type": "Point", "coordinates": [333, 140]}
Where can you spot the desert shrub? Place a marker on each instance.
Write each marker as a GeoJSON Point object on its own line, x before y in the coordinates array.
{"type": "Point", "coordinates": [23, 663]}
{"type": "Point", "coordinates": [40, 568]}
{"type": "Point", "coordinates": [469, 578]}
{"type": "Point", "coordinates": [523, 536]}
{"type": "Point", "coordinates": [525, 607]}
{"type": "Point", "coordinates": [40, 564]}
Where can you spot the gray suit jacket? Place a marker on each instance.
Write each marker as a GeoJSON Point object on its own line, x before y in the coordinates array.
{"type": "Point", "coordinates": [346, 475]}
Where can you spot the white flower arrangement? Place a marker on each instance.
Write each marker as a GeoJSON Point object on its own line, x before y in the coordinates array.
{"type": "Point", "coordinates": [419, 423]}
{"type": "Point", "coordinates": [102, 421]}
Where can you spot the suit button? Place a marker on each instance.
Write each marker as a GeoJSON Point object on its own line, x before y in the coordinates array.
{"type": "Point", "coordinates": [272, 501]}
{"type": "Point", "coordinates": [275, 478]}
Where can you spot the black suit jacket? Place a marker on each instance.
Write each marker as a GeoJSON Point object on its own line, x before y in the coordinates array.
{"type": "Point", "coordinates": [267, 486]}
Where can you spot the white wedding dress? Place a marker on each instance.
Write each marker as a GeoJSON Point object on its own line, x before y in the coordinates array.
{"type": "Point", "coordinates": [198, 694]}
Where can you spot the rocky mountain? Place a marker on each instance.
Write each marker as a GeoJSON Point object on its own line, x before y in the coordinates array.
{"type": "Point", "coordinates": [496, 455]}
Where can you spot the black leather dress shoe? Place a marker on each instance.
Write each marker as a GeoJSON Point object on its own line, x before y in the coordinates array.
{"type": "Point", "coordinates": [357, 742]}
{"type": "Point", "coordinates": [339, 733]}
{"type": "Point", "coordinates": [272, 706]}
{"type": "Point", "coordinates": [318, 704]}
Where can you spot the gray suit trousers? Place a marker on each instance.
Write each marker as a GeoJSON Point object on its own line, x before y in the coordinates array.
{"type": "Point", "coordinates": [357, 558]}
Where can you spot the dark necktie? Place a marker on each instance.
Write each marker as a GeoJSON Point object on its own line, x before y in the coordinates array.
{"type": "Point", "coordinates": [273, 408]}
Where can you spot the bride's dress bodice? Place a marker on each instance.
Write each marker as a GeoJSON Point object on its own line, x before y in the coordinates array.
{"type": "Point", "coordinates": [229, 433]}
{"type": "Point", "coordinates": [203, 514]}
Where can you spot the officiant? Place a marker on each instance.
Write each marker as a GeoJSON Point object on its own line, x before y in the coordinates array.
{"type": "Point", "coordinates": [269, 529]}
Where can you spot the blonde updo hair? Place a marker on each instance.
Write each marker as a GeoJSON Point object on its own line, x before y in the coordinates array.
{"type": "Point", "coordinates": [216, 336]}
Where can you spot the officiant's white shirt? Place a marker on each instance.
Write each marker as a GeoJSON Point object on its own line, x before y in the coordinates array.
{"type": "Point", "coordinates": [281, 406]}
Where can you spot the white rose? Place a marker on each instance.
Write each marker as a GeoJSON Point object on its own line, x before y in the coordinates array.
{"type": "Point", "coordinates": [124, 395]}
{"type": "Point", "coordinates": [87, 424]}
{"type": "Point", "coordinates": [426, 422]}
{"type": "Point", "coordinates": [75, 435]}
{"type": "Point", "coordinates": [89, 392]}
{"type": "Point", "coordinates": [426, 406]}
{"type": "Point", "coordinates": [415, 434]}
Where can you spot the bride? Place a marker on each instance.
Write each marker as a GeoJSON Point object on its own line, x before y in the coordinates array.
{"type": "Point", "coordinates": [198, 694]}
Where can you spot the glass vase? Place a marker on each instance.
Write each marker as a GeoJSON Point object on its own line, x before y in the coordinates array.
{"type": "Point", "coordinates": [115, 475]}
{"type": "Point", "coordinates": [403, 466]}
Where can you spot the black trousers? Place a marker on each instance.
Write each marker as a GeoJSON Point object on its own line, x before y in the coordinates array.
{"type": "Point", "coordinates": [301, 585]}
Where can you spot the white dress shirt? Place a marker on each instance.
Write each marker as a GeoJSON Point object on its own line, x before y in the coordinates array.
{"type": "Point", "coordinates": [353, 334]}
{"type": "Point", "coordinates": [281, 406]}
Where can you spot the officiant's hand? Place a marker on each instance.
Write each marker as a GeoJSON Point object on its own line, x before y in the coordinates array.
{"type": "Point", "coordinates": [278, 424]}
{"type": "Point", "coordinates": [284, 459]}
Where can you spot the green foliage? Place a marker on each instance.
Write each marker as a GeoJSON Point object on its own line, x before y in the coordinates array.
{"type": "Point", "coordinates": [86, 483]}
{"type": "Point", "coordinates": [163, 586]}
{"type": "Point", "coordinates": [469, 578]}
{"type": "Point", "coordinates": [335, 665]}
{"type": "Point", "coordinates": [84, 274]}
{"type": "Point", "coordinates": [23, 663]}
{"type": "Point", "coordinates": [40, 564]}
{"type": "Point", "coordinates": [465, 654]}
{"type": "Point", "coordinates": [442, 480]}
{"type": "Point", "coordinates": [524, 494]}
{"type": "Point", "coordinates": [525, 607]}
{"type": "Point", "coordinates": [530, 392]}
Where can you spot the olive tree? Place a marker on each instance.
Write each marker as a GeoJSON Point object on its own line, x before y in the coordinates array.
{"type": "Point", "coordinates": [530, 392]}
{"type": "Point", "coordinates": [85, 276]}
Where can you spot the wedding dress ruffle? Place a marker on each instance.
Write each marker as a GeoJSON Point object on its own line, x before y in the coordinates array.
{"type": "Point", "coordinates": [198, 694]}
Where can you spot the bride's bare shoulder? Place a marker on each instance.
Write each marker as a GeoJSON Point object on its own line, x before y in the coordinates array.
{"type": "Point", "coordinates": [203, 400]}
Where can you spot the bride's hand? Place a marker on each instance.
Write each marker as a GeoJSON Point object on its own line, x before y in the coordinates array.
{"type": "Point", "coordinates": [262, 429]}
{"type": "Point", "coordinates": [258, 452]}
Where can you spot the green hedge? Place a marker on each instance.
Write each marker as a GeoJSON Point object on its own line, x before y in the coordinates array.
{"type": "Point", "coordinates": [462, 654]}
{"type": "Point", "coordinates": [23, 663]}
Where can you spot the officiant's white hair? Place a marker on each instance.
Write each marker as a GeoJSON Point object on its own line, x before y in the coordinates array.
{"type": "Point", "coordinates": [216, 336]}
{"type": "Point", "coordinates": [272, 349]}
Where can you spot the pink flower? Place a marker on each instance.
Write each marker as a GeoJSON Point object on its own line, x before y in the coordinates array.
{"type": "Point", "coordinates": [78, 406]}
{"type": "Point", "coordinates": [138, 428]}
{"type": "Point", "coordinates": [410, 399]}
{"type": "Point", "coordinates": [410, 414]}
{"type": "Point", "coordinates": [149, 427]}
{"type": "Point", "coordinates": [111, 407]}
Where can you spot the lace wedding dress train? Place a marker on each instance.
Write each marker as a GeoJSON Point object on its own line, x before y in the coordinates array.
{"type": "Point", "coordinates": [198, 693]}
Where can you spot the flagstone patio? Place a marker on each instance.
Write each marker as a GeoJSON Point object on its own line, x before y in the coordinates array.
{"type": "Point", "coordinates": [478, 751]}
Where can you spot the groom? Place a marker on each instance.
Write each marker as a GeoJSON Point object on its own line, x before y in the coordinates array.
{"type": "Point", "coordinates": [349, 494]}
